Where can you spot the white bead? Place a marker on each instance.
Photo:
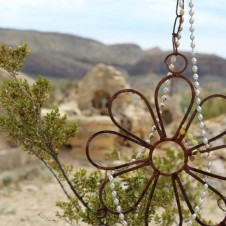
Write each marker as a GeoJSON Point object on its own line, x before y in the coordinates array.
{"type": "Point", "coordinates": [203, 194]}
{"type": "Point", "coordinates": [201, 125]}
{"type": "Point", "coordinates": [112, 172]}
{"type": "Point", "coordinates": [181, 28]}
{"type": "Point", "coordinates": [191, 4]}
{"type": "Point", "coordinates": [195, 76]}
{"type": "Point", "coordinates": [191, 21]}
{"type": "Point", "coordinates": [207, 179]}
{"type": "Point", "coordinates": [173, 59]}
{"type": "Point", "coordinates": [197, 92]}
{"type": "Point", "coordinates": [121, 216]}
{"type": "Point", "coordinates": [189, 223]}
{"type": "Point", "coordinates": [181, 12]}
{"type": "Point", "coordinates": [192, 37]}
{"type": "Point", "coordinates": [198, 100]}
{"type": "Point", "coordinates": [162, 105]}
{"type": "Point", "coordinates": [124, 223]}
{"type": "Point", "coordinates": [191, 12]}
{"type": "Point", "coordinates": [114, 193]}
{"type": "Point", "coordinates": [208, 170]}
{"type": "Point", "coordinates": [192, 45]}
{"type": "Point", "coordinates": [205, 140]}
{"type": "Point", "coordinates": [112, 185]}
{"type": "Point", "coordinates": [166, 90]}
{"type": "Point", "coordinates": [193, 216]}
{"type": "Point", "coordinates": [194, 60]}
{"type": "Point", "coordinates": [193, 53]}
{"type": "Point", "coordinates": [171, 67]}
{"type": "Point", "coordinates": [209, 164]}
{"type": "Point", "coordinates": [208, 146]}
{"type": "Point", "coordinates": [192, 29]}
{"type": "Point", "coordinates": [148, 141]}
{"type": "Point", "coordinates": [203, 132]}
{"type": "Point", "coordinates": [196, 84]}
{"type": "Point", "coordinates": [181, 4]}
{"type": "Point", "coordinates": [205, 187]}
{"type": "Point", "coordinates": [157, 119]}
{"type": "Point", "coordinates": [179, 36]}
{"type": "Point", "coordinates": [153, 128]}
{"type": "Point", "coordinates": [194, 69]}
{"type": "Point", "coordinates": [111, 178]}
{"type": "Point", "coordinates": [182, 20]}
{"type": "Point", "coordinates": [177, 45]}
{"type": "Point", "coordinates": [116, 201]}
{"type": "Point", "coordinates": [199, 109]}
{"type": "Point", "coordinates": [200, 117]}
{"type": "Point", "coordinates": [119, 209]}
{"type": "Point", "coordinates": [132, 160]}
{"type": "Point", "coordinates": [196, 209]}
{"type": "Point", "coordinates": [168, 82]}
{"type": "Point", "coordinates": [164, 97]}
{"type": "Point", "coordinates": [151, 135]}
{"type": "Point", "coordinates": [169, 73]}
{"type": "Point", "coordinates": [143, 149]}
{"type": "Point", "coordinates": [138, 155]}
{"type": "Point", "coordinates": [200, 201]}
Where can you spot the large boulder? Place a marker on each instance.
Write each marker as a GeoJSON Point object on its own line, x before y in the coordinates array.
{"type": "Point", "coordinates": [95, 90]}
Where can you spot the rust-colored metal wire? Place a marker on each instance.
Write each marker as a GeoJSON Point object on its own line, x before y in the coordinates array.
{"type": "Point", "coordinates": [177, 138]}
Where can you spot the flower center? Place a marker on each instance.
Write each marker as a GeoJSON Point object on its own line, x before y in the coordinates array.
{"type": "Point", "coordinates": [168, 157]}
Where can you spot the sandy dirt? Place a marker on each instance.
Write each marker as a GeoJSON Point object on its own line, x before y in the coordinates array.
{"type": "Point", "coordinates": [31, 202]}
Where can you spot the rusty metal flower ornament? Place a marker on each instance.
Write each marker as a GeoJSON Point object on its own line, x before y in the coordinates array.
{"type": "Point", "coordinates": [157, 173]}
{"type": "Point", "coordinates": [176, 140]}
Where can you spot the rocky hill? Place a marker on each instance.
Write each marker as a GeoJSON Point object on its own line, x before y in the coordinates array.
{"type": "Point", "coordinates": [68, 56]}
{"type": "Point", "coordinates": [58, 55]}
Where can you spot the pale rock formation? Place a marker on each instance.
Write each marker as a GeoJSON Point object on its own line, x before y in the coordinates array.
{"type": "Point", "coordinates": [97, 87]}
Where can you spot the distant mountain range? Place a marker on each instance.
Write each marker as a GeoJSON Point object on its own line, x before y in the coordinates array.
{"type": "Point", "coordinates": [68, 56]}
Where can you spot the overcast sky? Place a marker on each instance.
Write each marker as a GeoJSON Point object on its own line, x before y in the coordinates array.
{"type": "Point", "coordinates": [145, 22]}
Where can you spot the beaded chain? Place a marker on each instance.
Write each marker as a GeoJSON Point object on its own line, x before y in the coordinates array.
{"type": "Point", "coordinates": [199, 111]}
